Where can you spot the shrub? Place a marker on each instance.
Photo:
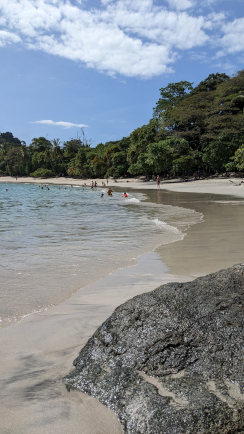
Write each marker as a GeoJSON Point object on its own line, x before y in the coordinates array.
{"type": "Point", "coordinates": [42, 173]}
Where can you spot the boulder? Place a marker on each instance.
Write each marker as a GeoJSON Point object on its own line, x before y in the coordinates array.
{"type": "Point", "coordinates": [171, 361]}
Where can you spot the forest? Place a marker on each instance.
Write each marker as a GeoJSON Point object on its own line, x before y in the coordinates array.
{"type": "Point", "coordinates": [194, 131]}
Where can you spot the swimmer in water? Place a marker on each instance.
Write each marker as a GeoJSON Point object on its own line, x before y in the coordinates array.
{"type": "Point", "coordinates": [109, 192]}
{"type": "Point", "coordinates": [125, 194]}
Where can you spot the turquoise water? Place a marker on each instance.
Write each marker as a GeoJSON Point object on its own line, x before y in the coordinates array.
{"type": "Point", "coordinates": [56, 239]}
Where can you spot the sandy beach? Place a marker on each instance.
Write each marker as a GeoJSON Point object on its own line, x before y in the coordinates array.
{"type": "Point", "coordinates": [39, 350]}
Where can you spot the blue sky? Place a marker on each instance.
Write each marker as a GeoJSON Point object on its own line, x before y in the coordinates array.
{"type": "Point", "coordinates": [99, 65]}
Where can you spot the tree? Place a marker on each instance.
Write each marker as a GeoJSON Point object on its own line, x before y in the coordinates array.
{"type": "Point", "coordinates": [79, 165]}
{"type": "Point", "coordinates": [139, 141]}
{"type": "Point", "coordinates": [40, 144]}
{"type": "Point", "coordinates": [12, 155]}
{"type": "Point", "coordinates": [7, 139]}
{"type": "Point", "coordinates": [15, 161]}
{"type": "Point", "coordinates": [99, 167]}
{"type": "Point", "coordinates": [170, 96]}
{"type": "Point", "coordinates": [239, 158]}
{"type": "Point", "coordinates": [219, 152]}
{"type": "Point", "coordinates": [186, 164]}
{"type": "Point", "coordinates": [211, 82]}
{"type": "Point", "coordinates": [71, 147]}
{"type": "Point", "coordinates": [160, 157]}
{"type": "Point", "coordinates": [57, 161]}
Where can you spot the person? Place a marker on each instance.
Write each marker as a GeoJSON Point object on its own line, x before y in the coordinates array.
{"type": "Point", "coordinates": [102, 194]}
{"type": "Point", "coordinates": [158, 181]}
{"type": "Point", "coordinates": [109, 192]}
{"type": "Point", "coordinates": [125, 194]}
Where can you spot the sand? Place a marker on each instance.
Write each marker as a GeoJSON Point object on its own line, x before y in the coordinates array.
{"type": "Point", "coordinates": [38, 351]}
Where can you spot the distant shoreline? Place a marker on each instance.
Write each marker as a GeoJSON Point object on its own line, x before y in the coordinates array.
{"type": "Point", "coordinates": [225, 186]}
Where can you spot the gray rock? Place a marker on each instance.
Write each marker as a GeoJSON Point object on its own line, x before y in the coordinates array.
{"type": "Point", "coordinates": [171, 361]}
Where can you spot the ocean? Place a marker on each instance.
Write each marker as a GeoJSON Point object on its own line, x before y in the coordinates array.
{"type": "Point", "coordinates": [57, 239]}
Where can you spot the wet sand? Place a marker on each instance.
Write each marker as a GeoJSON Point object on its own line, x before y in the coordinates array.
{"type": "Point", "coordinates": [216, 243]}
{"type": "Point", "coordinates": [38, 351]}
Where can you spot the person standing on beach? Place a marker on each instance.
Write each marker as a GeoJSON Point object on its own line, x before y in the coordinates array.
{"type": "Point", "coordinates": [158, 181]}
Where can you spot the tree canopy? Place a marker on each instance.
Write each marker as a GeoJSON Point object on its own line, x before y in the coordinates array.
{"type": "Point", "coordinates": [193, 129]}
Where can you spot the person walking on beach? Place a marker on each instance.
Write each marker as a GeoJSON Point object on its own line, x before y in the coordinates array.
{"type": "Point", "coordinates": [158, 181]}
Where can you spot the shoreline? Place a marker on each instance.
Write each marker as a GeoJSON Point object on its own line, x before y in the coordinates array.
{"type": "Point", "coordinates": [61, 282]}
{"type": "Point", "coordinates": [39, 350]}
{"type": "Point", "coordinates": [223, 186]}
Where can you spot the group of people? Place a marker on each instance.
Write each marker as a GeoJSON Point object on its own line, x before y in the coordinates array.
{"type": "Point", "coordinates": [110, 191]}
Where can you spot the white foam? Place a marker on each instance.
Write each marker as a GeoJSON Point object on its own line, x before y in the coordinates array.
{"type": "Point", "coordinates": [133, 200]}
{"type": "Point", "coordinates": [230, 202]}
{"type": "Point", "coordinates": [167, 227]}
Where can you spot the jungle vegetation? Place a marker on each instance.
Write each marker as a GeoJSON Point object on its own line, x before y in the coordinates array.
{"type": "Point", "coordinates": [192, 130]}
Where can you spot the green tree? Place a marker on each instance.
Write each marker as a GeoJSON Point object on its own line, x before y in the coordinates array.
{"type": "Point", "coordinates": [139, 141]}
{"type": "Point", "coordinates": [160, 157]}
{"type": "Point", "coordinates": [171, 95]}
{"type": "Point", "coordinates": [238, 159]}
{"type": "Point", "coordinates": [186, 164]}
{"type": "Point", "coordinates": [211, 82]}
{"type": "Point", "coordinates": [219, 152]}
{"type": "Point", "coordinates": [79, 165]}
{"type": "Point", "coordinates": [99, 167]}
{"type": "Point", "coordinates": [15, 161]}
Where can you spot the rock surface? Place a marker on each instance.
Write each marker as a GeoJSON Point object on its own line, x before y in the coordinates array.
{"type": "Point", "coordinates": [171, 361]}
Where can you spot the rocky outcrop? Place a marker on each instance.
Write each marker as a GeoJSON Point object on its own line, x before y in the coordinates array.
{"type": "Point", "coordinates": [171, 361]}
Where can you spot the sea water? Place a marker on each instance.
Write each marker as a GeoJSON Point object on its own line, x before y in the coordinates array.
{"type": "Point", "coordinates": [57, 239]}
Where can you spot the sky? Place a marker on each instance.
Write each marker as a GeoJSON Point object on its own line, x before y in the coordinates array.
{"type": "Point", "coordinates": [96, 66]}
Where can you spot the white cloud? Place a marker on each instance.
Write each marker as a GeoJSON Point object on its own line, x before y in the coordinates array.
{"type": "Point", "coordinates": [134, 38]}
{"type": "Point", "coordinates": [232, 40]}
{"type": "Point", "coordinates": [63, 124]}
{"type": "Point", "coordinates": [8, 38]}
{"type": "Point", "coordinates": [180, 4]}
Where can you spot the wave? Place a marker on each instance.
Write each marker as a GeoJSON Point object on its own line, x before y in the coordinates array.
{"type": "Point", "coordinates": [230, 202]}
{"type": "Point", "coordinates": [168, 227]}
{"type": "Point", "coordinates": [132, 200]}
